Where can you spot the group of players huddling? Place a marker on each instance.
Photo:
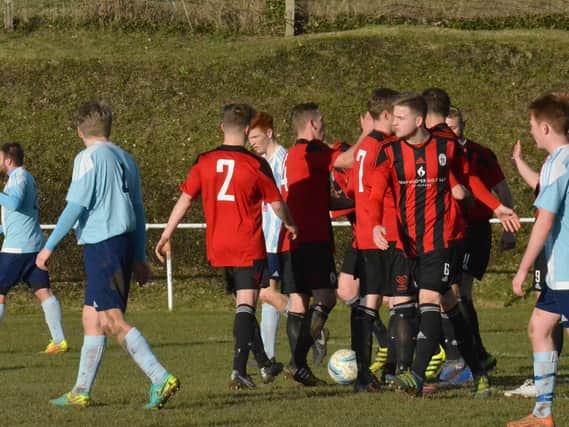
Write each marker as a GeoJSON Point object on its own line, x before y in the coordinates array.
{"type": "Point", "coordinates": [418, 194]}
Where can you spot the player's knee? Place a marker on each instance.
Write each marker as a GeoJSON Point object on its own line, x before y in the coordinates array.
{"type": "Point", "coordinates": [347, 294]}
{"type": "Point", "coordinates": [265, 295]}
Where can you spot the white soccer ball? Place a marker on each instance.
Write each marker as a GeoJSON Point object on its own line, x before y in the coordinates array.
{"type": "Point", "coordinates": [342, 366]}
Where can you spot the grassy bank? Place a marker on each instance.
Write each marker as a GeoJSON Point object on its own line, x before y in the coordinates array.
{"type": "Point", "coordinates": [166, 91]}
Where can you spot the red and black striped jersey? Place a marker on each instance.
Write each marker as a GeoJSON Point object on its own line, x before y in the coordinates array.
{"type": "Point", "coordinates": [428, 215]}
{"type": "Point", "coordinates": [366, 208]}
{"type": "Point", "coordinates": [233, 183]}
{"type": "Point", "coordinates": [444, 131]}
{"type": "Point", "coordinates": [306, 190]}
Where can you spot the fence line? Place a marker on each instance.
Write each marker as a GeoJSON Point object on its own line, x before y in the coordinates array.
{"type": "Point", "coordinates": [170, 278]}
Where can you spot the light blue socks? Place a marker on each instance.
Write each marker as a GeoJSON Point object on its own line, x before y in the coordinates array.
{"type": "Point", "coordinates": [52, 312]}
{"type": "Point", "coordinates": [270, 318]}
{"type": "Point", "coordinates": [544, 371]}
{"type": "Point", "coordinates": [91, 356]}
{"type": "Point", "coordinates": [140, 351]}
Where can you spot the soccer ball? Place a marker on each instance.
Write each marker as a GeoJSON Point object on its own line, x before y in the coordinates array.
{"type": "Point", "coordinates": [342, 366]}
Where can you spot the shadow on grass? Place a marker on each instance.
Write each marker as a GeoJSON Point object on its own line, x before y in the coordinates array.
{"type": "Point", "coordinates": [12, 368]}
{"type": "Point", "coordinates": [225, 399]}
{"type": "Point", "coordinates": [192, 343]}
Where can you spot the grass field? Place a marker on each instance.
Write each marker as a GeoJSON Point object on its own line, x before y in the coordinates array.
{"type": "Point", "coordinates": [196, 344]}
{"type": "Point", "coordinates": [167, 90]}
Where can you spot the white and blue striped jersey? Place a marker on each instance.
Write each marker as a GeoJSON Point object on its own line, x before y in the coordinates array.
{"type": "Point", "coordinates": [103, 178]}
{"type": "Point", "coordinates": [20, 221]}
{"type": "Point", "coordinates": [271, 222]}
{"type": "Point", "coordinates": [553, 197]}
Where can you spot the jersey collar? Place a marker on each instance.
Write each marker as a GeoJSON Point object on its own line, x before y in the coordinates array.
{"type": "Point", "coordinates": [14, 170]}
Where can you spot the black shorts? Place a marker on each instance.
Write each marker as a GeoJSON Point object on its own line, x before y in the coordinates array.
{"type": "Point", "coordinates": [539, 272]}
{"type": "Point", "coordinates": [433, 271]}
{"type": "Point", "coordinates": [386, 273]}
{"type": "Point", "coordinates": [350, 263]}
{"type": "Point", "coordinates": [241, 278]}
{"type": "Point", "coordinates": [456, 249]}
{"type": "Point", "coordinates": [478, 245]}
{"type": "Point", "coordinates": [308, 267]}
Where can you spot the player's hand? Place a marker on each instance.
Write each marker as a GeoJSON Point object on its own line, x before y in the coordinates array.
{"type": "Point", "coordinates": [508, 241]}
{"type": "Point", "coordinates": [42, 257]}
{"type": "Point", "coordinates": [163, 249]}
{"type": "Point", "coordinates": [366, 123]}
{"type": "Point", "coordinates": [292, 230]}
{"type": "Point", "coordinates": [379, 239]}
{"type": "Point", "coordinates": [518, 282]}
{"type": "Point", "coordinates": [508, 218]}
{"type": "Point", "coordinates": [516, 151]}
{"type": "Point", "coordinates": [141, 272]}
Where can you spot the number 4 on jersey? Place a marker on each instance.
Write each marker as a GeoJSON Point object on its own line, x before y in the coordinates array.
{"type": "Point", "coordinates": [222, 195]}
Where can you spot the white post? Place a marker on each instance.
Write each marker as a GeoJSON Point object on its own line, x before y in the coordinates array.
{"type": "Point", "coordinates": [169, 282]}
{"type": "Point", "coordinates": [290, 17]}
{"type": "Point", "coordinates": [8, 15]}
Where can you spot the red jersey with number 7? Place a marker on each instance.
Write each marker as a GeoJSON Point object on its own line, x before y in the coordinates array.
{"type": "Point", "coordinates": [362, 178]}
{"type": "Point", "coordinates": [233, 183]}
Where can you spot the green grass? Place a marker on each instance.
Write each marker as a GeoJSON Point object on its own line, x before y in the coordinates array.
{"type": "Point", "coordinates": [195, 343]}
{"type": "Point", "coordinates": [167, 91]}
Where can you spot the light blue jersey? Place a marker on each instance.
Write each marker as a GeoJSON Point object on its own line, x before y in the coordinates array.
{"type": "Point", "coordinates": [103, 178]}
{"type": "Point", "coordinates": [553, 197]}
{"type": "Point", "coordinates": [20, 214]}
{"type": "Point", "coordinates": [271, 222]}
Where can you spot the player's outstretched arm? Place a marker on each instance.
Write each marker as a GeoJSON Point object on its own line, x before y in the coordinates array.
{"type": "Point", "coordinates": [539, 233]}
{"type": "Point", "coordinates": [346, 159]}
{"type": "Point", "coordinates": [65, 223]}
{"type": "Point", "coordinates": [163, 246]}
{"type": "Point", "coordinates": [503, 192]}
{"type": "Point", "coordinates": [509, 219]}
{"type": "Point", "coordinates": [527, 173]}
{"type": "Point", "coordinates": [281, 210]}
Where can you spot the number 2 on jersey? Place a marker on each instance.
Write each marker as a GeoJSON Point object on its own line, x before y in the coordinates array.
{"type": "Point", "coordinates": [222, 195]}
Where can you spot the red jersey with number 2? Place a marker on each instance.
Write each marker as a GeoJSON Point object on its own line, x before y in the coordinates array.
{"type": "Point", "coordinates": [233, 183]}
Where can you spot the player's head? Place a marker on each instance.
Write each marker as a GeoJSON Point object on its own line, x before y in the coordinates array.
{"type": "Point", "coordinates": [307, 121]}
{"type": "Point", "coordinates": [549, 118]}
{"type": "Point", "coordinates": [409, 113]}
{"type": "Point", "coordinates": [261, 132]}
{"type": "Point", "coordinates": [11, 156]}
{"type": "Point", "coordinates": [455, 121]}
{"type": "Point", "coordinates": [94, 120]}
{"type": "Point", "coordinates": [236, 118]}
{"type": "Point", "coordinates": [438, 103]}
{"type": "Point", "coordinates": [380, 105]}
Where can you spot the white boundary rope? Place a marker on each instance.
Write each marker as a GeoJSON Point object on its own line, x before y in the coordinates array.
{"type": "Point", "coordinates": [169, 276]}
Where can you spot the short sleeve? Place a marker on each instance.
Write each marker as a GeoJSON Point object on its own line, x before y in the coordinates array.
{"type": "Point", "coordinates": [192, 184]}
{"type": "Point", "coordinates": [267, 183]}
{"type": "Point", "coordinates": [552, 197]}
{"type": "Point", "coordinates": [17, 186]}
{"type": "Point", "coordinates": [82, 188]}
